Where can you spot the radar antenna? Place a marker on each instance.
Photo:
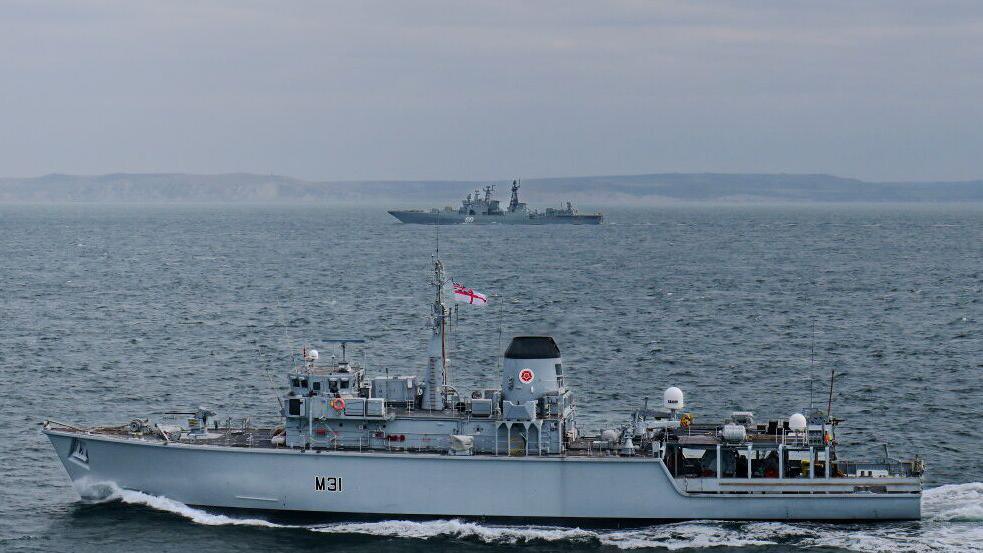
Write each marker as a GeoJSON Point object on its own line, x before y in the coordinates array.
{"type": "Point", "coordinates": [344, 345]}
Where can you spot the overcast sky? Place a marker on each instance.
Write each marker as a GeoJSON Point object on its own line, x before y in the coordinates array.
{"type": "Point", "coordinates": [475, 90]}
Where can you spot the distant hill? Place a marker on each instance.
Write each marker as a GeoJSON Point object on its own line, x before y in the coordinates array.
{"type": "Point", "coordinates": [650, 189]}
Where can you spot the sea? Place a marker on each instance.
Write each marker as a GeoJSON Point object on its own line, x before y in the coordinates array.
{"type": "Point", "coordinates": [109, 313]}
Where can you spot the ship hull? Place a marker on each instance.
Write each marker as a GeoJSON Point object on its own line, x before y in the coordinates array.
{"type": "Point", "coordinates": [608, 489]}
{"type": "Point", "coordinates": [454, 218]}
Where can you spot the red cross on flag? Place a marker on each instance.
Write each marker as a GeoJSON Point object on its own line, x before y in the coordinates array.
{"type": "Point", "coordinates": [466, 295]}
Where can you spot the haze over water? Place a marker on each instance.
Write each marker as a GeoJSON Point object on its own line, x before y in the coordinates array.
{"type": "Point", "coordinates": [112, 313]}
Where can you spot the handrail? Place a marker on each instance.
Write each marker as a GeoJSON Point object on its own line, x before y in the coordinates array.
{"type": "Point", "coordinates": [49, 421]}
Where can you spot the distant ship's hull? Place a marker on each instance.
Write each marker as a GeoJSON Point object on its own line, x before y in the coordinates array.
{"type": "Point", "coordinates": [455, 218]}
{"type": "Point", "coordinates": [612, 489]}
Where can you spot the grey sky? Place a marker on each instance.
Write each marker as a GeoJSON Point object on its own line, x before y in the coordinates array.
{"type": "Point", "coordinates": [421, 90]}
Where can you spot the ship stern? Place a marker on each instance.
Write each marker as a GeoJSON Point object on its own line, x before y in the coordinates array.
{"type": "Point", "coordinates": [416, 217]}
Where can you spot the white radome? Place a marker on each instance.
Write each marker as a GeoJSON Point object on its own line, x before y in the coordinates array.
{"type": "Point", "coordinates": [797, 422]}
{"type": "Point", "coordinates": [673, 398]}
{"type": "Point", "coordinates": [312, 354]}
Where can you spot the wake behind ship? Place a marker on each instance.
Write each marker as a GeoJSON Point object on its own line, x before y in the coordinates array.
{"type": "Point", "coordinates": [410, 446]}
{"type": "Point", "coordinates": [483, 210]}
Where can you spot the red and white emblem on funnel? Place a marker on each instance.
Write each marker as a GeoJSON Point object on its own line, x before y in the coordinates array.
{"type": "Point", "coordinates": [526, 376]}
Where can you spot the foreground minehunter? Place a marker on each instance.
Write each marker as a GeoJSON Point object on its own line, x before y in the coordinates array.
{"type": "Point", "coordinates": [395, 446]}
{"type": "Point", "coordinates": [483, 210]}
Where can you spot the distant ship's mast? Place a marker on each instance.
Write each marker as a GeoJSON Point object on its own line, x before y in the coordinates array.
{"type": "Point", "coordinates": [514, 202]}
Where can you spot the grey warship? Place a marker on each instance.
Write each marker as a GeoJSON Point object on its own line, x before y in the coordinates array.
{"type": "Point", "coordinates": [411, 445]}
{"type": "Point", "coordinates": [482, 209]}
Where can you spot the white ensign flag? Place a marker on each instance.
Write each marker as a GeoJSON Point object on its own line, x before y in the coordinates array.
{"type": "Point", "coordinates": [466, 295]}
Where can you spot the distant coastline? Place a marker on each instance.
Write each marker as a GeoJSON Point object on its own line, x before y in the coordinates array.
{"type": "Point", "coordinates": [648, 189]}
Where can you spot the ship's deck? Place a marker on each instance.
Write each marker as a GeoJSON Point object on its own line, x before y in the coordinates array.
{"type": "Point", "coordinates": [696, 436]}
{"type": "Point", "coordinates": [261, 438]}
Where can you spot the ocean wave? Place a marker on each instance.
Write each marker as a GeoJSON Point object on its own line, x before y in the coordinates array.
{"type": "Point", "coordinates": [952, 521]}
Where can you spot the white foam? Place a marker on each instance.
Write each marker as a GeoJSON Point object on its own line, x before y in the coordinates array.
{"type": "Point", "coordinates": [686, 535]}
{"type": "Point", "coordinates": [952, 521]}
{"type": "Point", "coordinates": [459, 529]}
{"type": "Point", "coordinates": [103, 492]}
{"type": "Point", "coordinates": [905, 539]}
{"type": "Point", "coordinates": [954, 502]}
{"type": "Point", "coordinates": [197, 516]}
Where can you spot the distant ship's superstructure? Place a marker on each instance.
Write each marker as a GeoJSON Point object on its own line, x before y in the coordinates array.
{"type": "Point", "coordinates": [410, 445]}
{"type": "Point", "coordinates": [480, 209]}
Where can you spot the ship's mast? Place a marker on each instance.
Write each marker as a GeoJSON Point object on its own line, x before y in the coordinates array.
{"type": "Point", "coordinates": [436, 378]}
{"type": "Point", "coordinates": [514, 201]}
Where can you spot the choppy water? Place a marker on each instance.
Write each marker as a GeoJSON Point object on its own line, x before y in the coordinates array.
{"type": "Point", "coordinates": [108, 313]}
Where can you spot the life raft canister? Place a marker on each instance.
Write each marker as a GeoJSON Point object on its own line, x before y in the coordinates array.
{"type": "Point", "coordinates": [338, 404]}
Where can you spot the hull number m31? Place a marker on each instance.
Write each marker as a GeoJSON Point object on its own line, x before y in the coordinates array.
{"type": "Point", "coordinates": [327, 484]}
